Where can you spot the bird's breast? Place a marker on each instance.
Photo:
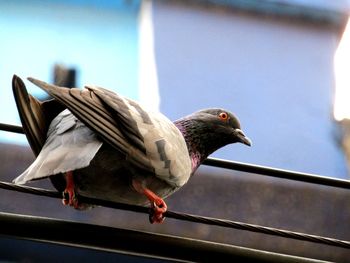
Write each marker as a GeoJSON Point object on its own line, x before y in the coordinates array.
{"type": "Point", "coordinates": [165, 148]}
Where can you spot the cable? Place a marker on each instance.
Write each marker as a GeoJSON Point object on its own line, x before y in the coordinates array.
{"type": "Point", "coordinates": [11, 128]}
{"type": "Point", "coordinates": [185, 217]}
{"type": "Point", "coordinates": [279, 173]}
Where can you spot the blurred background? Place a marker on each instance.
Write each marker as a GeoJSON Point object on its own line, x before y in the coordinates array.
{"type": "Point", "coordinates": [280, 65]}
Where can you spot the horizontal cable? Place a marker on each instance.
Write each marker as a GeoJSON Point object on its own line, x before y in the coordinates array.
{"type": "Point", "coordinates": [249, 168]}
{"type": "Point", "coordinates": [186, 217]}
{"type": "Point", "coordinates": [11, 128]}
{"type": "Point", "coordinates": [279, 173]}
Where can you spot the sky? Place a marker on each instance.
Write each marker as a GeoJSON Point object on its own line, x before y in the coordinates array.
{"type": "Point", "coordinates": [99, 40]}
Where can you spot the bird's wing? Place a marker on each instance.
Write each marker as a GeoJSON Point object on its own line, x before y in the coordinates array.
{"type": "Point", "coordinates": [70, 145]}
{"type": "Point", "coordinates": [149, 141]}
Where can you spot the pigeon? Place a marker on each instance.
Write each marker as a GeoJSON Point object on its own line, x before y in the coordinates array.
{"type": "Point", "coordinates": [96, 143]}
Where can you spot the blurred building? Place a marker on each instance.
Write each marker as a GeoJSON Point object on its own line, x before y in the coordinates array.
{"type": "Point", "coordinates": [270, 62]}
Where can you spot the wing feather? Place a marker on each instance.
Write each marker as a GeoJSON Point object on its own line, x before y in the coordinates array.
{"type": "Point", "coordinates": [149, 141]}
{"type": "Point", "coordinates": [94, 115]}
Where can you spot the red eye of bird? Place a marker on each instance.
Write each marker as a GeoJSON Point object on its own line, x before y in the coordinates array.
{"type": "Point", "coordinates": [223, 116]}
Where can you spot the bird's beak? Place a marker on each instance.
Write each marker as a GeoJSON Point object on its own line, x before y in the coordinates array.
{"type": "Point", "coordinates": [241, 137]}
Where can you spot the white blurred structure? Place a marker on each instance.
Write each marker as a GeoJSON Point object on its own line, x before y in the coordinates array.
{"type": "Point", "coordinates": [342, 74]}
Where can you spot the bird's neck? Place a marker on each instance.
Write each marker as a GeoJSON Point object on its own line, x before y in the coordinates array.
{"type": "Point", "coordinates": [199, 142]}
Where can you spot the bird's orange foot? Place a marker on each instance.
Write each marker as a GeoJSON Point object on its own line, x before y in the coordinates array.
{"type": "Point", "coordinates": [69, 197]}
{"type": "Point", "coordinates": [158, 206]}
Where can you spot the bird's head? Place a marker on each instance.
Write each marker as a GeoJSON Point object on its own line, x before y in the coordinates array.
{"type": "Point", "coordinates": [207, 130]}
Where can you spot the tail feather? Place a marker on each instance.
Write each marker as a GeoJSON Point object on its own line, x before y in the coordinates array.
{"type": "Point", "coordinates": [31, 115]}
{"type": "Point", "coordinates": [35, 117]}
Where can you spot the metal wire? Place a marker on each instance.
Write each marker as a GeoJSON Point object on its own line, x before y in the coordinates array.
{"type": "Point", "coordinates": [11, 128]}
{"type": "Point", "coordinates": [186, 217]}
{"type": "Point", "coordinates": [279, 173]}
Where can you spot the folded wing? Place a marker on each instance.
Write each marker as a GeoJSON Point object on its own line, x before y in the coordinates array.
{"type": "Point", "coordinates": [149, 141]}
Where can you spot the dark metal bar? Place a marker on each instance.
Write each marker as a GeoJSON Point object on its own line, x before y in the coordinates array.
{"type": "Point", "coordinates": [11, 128]}
{"type": "Point", "coordinates": [30, 190]}
{"type": "Point", "coordinates": [280, 173]}
{"type": "Point", "coordinates": [131, 242]}
{"type": "Point", "coordinates": [249, 168]}
{"type": "Point", "coordinates": [187, 217]}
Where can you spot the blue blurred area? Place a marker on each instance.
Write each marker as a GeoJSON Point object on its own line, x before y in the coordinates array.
{"type": "Point", "coordinates": [97, 38]}
{"type": "Point", "coordinates": [276, 75]}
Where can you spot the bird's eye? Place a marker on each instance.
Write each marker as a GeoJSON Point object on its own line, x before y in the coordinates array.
{"type": "Point", "coordinates": [223, 116]}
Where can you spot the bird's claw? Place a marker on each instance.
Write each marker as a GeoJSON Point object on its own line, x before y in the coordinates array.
{"type": "Point", "coordinates": [157, 210]}
{"type": "Point", "coordinates": [69, 198]}
{"type": "Point", "coordinates": [158, 206]}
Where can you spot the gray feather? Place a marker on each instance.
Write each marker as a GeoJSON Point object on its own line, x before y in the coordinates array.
{"type": "Point", "coordinates": [70, 145]}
